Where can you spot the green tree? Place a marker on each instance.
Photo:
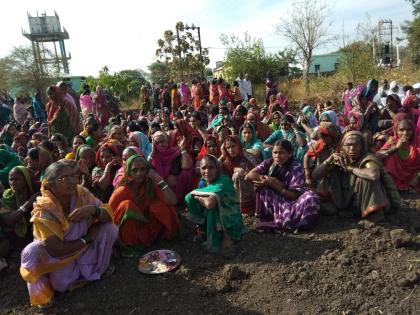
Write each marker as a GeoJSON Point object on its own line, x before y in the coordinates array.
{"type": "Point", "coordinates": [125, 83]}
{"type": "Point", "coordinates": [19, 70]}
{"type": "Point", "coordinates": [412, 30]}
{"type": "Point", "coordinates": [356, 61]}
{"type": "Point", "coordinates": [159, 71]}
{"type": "Point", "coordinates": [180, 51]}
{"type": "Point", "coordinates": [249, 56]}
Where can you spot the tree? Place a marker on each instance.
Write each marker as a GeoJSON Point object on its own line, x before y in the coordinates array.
{"type": "Point", "coordinates": [159, 71]}
{"type": "Point", "coordinates": [126, 83]}
{"type": "Point", "coordinates": [306, 28]}
{"type": "Point", "coordinates": [356, 60]}
{"type": "Point", "coordinates": [180, 51]}
{"type": "Point", "coordinates": [19, 70]}
{"type": "Point", "coordinates": [412, 30]}
{"type": "Point", "coordinates": [249, 56]}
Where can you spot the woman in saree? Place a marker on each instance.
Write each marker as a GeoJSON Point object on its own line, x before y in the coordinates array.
{"type": "Point", "coordinates": [62, 117]}
{"type": "Point", "coordinates": [173, 164]}
{"type": "Point", "coordinates": [15, 208]}
{"type": "Point", "coordinates": [77, 142]}
{"type": "Point", "coordinates": [7, 134]}
{"type": "Point", "coordinates": [357, 181]}
{"type": "Point", "coordinates": [214, 93]}
{"type": "Point", "coordinates": [401, 154]}
{"type": "Point", "coordinates": [322, 149]}
{"type": "Point", "coordinates": [261, 129]}
{"type": "Point", "coordinates": [275, 121]}
{"type": "Point", "coordinates": [236, 163]}
{"type": "Point", "coordinates": [100, 107]}
{"type": "Point", "coordinates": [387, 114]}
{"type": "Point", "coordinates": [86, 102]}
{"type": "Point", "coordinates": [283, 203]}
{"type": "Point", "coordinates": [288, 132]}
{"type": "Point", "coordinates": [8, 160]}
{"type": "Point", "coordinates": [192, 138]}
{"type": "Point", "coordinates": [141, 141]}
{"type": "Point", "coordinates": [251, 143]}
{"type": "Point", "coordinates": [85, 157]}
{"type": "Point", "coordinates": [129, 151]}
{"type": "Point", "coordinates": [185, 93]}
{"type": "Point", "coordinates": [215, 208]}
{"type": "Point", "coordinates": [210, 146]}
{"type": "Point", "coordinates": [108, 161]}
{"type": "Point", "coordinates": [143, 207]}
{"type": "Point", "coordinates": [73, 236]}
{"type": "Point", "coordinates": [61, 143]}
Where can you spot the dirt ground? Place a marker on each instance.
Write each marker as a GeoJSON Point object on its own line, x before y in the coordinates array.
{"type": "Point", "coordinates": [343, 266]}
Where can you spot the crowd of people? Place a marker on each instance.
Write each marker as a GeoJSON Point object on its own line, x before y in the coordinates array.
{"type": "Point", "coordinates": [80, 184]}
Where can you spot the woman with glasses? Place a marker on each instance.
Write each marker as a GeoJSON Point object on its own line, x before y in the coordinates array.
{"type": "Point", "coordinates": [73, 236]}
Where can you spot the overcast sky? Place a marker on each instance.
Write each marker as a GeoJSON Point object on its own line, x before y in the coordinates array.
{"type": "Point", "coordinates": [123, 34]}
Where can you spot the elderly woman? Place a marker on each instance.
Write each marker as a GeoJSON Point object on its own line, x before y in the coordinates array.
{"type": "Point", "coordinates": [73, 236]}
{"type": "Point", "coordinates": [321, 149]}
{"type": "Point", "coordinates": [174, 165]}
{"type": "Point", "coordinates": [358, 180]}
{"type": "Point", "coordinates": [261, 129]}
{"type": "Point", "coordinates": [15, 208]}
{"type": "Point", "coordinates": [127, 152]}
{"type": "Point", "coordinates": [282, 201]}
{"type": "Point", "coordinates": [143, 206]}
{"type": "Point", "coordinates": [215, 207]}
{"type": "Point", "coordinates": [236, 163]}
{"type": "Point", "coordinates": [401, 154]}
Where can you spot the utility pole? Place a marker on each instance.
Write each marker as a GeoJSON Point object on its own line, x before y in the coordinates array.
{"type": "Point", "coordinates": [193, 27]}
{"type": "Point", "coordinates": [179, 53]}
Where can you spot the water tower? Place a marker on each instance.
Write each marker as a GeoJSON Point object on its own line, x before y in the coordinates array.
{"type": "Point", "coordinates": [386, 42]}
{"type": "Point", "coordinates": [47, 29]}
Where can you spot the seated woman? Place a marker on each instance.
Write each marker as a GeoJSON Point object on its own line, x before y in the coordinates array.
{"type": "Point", "coordinates": [290, 133]}
{"type": "Point", "coordinates": [387, 114]}
{"type": "Point", "coordinates": [250, 142]}
{"type": "Point", "coordinates": [143, 206]}
{"type": "Point", "coordinates": [283, 203]}
{"type": "Point", "coordinates": [85, 157]}
{"type": "Point", "coordinates": [321, 150]}
{"type": "Point", "coordinates": [61, 142]}
{"type": "Point", "coordinates": [262, 130]}
{"type": "Point", "coordinates": [236, 163]}
{"type": "Point", "coordinates": [8, 160]}
{"type": "Point", "coordinates": [73, 236]}
{"type": "Point", "coordinates": [358, 180]}
{"type": "Point", "coordinates": [15, 208]}
{"type": "Point", "coordinates": [275, 121]}
{"type": "Point", "coordinates": [77, 142]}
{"type": "Point", "coordinates": [210, 146]}
{"type": "Point", "coordinates": [401, 154]}
{"type": "Point", "coordinates": [7, 134]}
{"type": "Point", "coordinates": [174, 165]}
{"type": "Point", "coordinates": [129, 151]}
{"type": "Point", "coordinates": [108, 161]}
{"type": "Point", "coordinates": [141, 141]}
{"type": "Point", "coordinates": [215, 207]}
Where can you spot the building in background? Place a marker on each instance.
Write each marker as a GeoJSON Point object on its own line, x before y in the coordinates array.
{"type": "Point", "coordinates": [325, 64]}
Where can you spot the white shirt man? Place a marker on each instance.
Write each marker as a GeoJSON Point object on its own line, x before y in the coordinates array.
{"type": "Point", "coordinates": [241, 88]}
{"type": "Point", "coordinates": [247, 86]}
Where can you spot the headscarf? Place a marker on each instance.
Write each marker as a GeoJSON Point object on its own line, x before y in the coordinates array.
{"type": "Point", "coordinates": [163, 157]}
{"type": "Point", "coordinates": [9, 198]}
{"type": "Point", "coordinates": [229, 163]}
{"type": "Point", "coordinates": [332, 116]}
{"type": "Point", "coordinates": [204, 151]}
{"type": "Point", "coordinates": [119, 175]}
{"type": "Point", "coordinates": [359, 119]}
{"type": "Point", "coordinates": [309, 112]}
{"type": "Point", "coordinates": [185, 130]}
{"type": "Point", "coordinates": [54, 106]}
{"type": "Point", "coordinates": [113, 145]}
{"type": "Point", "coordinates": [144, 143]}
{"type": "Point", "coordinates": [254, 143]}
{"type": "Point", "coordinates": [329, 129]}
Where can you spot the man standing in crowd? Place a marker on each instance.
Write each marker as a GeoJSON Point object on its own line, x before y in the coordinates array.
{"type": "Point", "coordinates": [247, 86]}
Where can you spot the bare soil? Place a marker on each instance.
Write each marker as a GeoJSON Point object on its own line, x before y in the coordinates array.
{"type": "Point", "coordinates": [343, 266]}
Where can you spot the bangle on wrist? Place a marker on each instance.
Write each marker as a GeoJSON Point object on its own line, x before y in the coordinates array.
{"type": "Point", "coordinates": [86, 239]}
{"type": "Point", "coordinates": [164, 187]}
{"type": "Point", "coordinates": [162, 184]}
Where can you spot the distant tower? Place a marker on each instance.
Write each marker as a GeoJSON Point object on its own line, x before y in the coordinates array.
{"type": "Point", "coordinates": [386, 43]}
{"type": "Point", "coordinates": [47, 29]}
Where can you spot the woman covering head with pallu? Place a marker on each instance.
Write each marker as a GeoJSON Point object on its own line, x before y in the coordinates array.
{"type": "Point", "coordinates": [140, 140]}
{"type": "Point", "coordinates": [215, 208]}
{"type": "Point", "coordinates": [62, 117]}
{"type": "Point", "coordinates": [143, 207]}
{"type": "Point", "coordinates": [173, 164]}
{"type": "Point", "coordinates": [188, 135]}
{"type": "Point", "coordinates": [401, 153]}
{"type": "Point", "coordinates": [73, 236]}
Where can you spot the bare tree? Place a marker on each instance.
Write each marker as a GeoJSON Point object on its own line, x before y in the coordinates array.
{"type": "Point", "coordinates": [306, 28]}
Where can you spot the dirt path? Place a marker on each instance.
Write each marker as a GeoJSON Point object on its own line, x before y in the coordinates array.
{"type": "Point", "coordinates": [343, 266]}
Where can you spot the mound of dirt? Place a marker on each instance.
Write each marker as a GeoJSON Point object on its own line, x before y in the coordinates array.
{"type": "Point", "coordinates": [343, 266]}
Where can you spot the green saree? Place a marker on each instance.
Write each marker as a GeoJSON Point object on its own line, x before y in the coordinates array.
{"type": "Point", "coordinates": [225, 218]}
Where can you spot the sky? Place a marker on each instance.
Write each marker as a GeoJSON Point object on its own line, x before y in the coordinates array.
{"type": "Point", "coordinates": [123, 34]}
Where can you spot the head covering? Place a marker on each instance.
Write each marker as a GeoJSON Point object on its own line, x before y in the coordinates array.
{"type": "Point", "coordinates": [229, 160]}
{"type": "Point", "coordinates": [163, 157]}
{"type": "Point", "coordinates": [9, 197]}
{"type": "Point", "coordinates": [113, 145]}
{"type": "Point", "coordinates": [254, 140]}
{"type": "Point", "coordinates": [355, 133]}
{"type": "Point", "coordinates": [358, 117]}
{"type": "Point", "coordinates": [81, 149]}
{"type": "Point", "coordinates": [204, 150]}
{"type": "Point", "coordinates": [332, 116]}
{"type": "Point", "coordinates": [144, 143]}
